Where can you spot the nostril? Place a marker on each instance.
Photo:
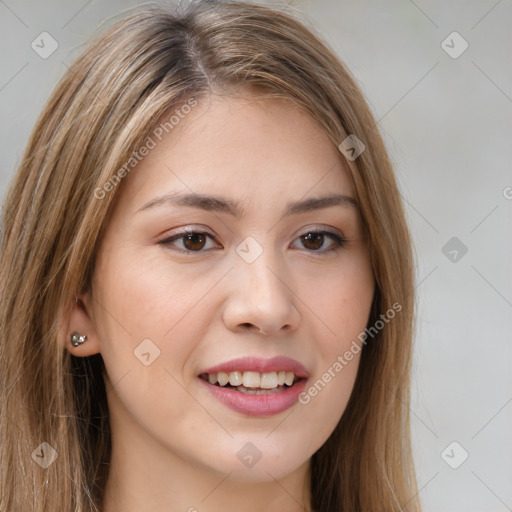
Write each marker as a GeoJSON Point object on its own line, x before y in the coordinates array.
{"type": "Point", "coordinates": [248, 325]}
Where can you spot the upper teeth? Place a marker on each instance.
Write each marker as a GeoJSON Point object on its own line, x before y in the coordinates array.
{"type": "Point", "coordinates": [252, 379]}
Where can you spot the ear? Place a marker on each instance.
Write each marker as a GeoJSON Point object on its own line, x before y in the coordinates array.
{"type": "Point", "coordinates": [78, 318]}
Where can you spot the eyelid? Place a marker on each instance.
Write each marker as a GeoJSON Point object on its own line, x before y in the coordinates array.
{"type": "Point", "coordinates": [193, 228]}
{"type": "Point", "coordinates": [321, 229]}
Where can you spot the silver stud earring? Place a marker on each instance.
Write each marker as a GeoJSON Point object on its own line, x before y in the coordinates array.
{"type": "Point", "coordinates": [77, 339]}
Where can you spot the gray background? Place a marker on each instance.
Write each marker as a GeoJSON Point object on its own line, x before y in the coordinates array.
{"type": "Point", "coordinates": [447, 122]}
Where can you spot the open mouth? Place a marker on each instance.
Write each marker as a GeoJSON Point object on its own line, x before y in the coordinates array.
{"type": "Point", "coordinates": [252, 383]}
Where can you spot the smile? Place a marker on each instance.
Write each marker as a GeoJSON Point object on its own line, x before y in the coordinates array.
{"type": "Point", "coordinates": [267, 387]}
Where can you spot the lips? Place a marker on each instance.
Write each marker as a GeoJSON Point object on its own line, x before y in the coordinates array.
{"type": "Point", "coordinates": [255, 386]}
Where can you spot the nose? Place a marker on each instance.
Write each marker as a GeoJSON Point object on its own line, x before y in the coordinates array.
{"type": "Point", "coordinates": [261, 298]}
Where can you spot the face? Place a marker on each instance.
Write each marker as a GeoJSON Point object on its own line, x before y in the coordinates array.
{"type": "Point", "coordinates": [219, 264]}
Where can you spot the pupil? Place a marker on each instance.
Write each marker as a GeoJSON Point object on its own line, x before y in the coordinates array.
{"type": "Point", "coordinates": [313, 240]}
{"type": "Point", "coordinates": [194, 241]}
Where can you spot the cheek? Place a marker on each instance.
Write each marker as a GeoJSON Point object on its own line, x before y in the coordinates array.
{"type": "Point", "coordinates": [341, 298]}
{"type": "Point", "coordinates": [148, 297]}
{"type": "Point", "coordinates": [343, 303]}
{"type": "Point", "coordinates": [147, 307]}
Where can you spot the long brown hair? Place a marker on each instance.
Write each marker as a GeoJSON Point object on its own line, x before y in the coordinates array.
{"type": "Point", "coordinates": [102, 110]}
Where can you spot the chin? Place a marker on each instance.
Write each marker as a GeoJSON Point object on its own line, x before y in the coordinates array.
{"type": "Point", "coordinates": [250, 464]}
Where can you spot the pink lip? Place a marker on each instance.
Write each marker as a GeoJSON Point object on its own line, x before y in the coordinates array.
{"type": "Point", "coordinates": [257, 364]}
{"type": "Point", "coordinates": [258, 405]}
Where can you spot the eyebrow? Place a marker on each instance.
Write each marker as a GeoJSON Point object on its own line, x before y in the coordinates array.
{"type": "Point", "coordinates": [234, 208]}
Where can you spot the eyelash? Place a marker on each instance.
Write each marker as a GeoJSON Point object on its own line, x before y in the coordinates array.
{"type": "Point", "coordinates": [339, 242]}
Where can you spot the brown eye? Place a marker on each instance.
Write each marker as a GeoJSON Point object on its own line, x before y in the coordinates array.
{"type": "Point", "coordinates": [313, 241]}
{"type": "Point", "coordinates": [189, 241]}
{"type": "Point", "coordinates": [321, 241]}
{"type": "Point", "coordinates": [194, 241]}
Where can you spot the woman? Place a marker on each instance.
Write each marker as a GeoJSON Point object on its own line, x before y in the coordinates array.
{"type": "Point", "coordinates": [207, 294]}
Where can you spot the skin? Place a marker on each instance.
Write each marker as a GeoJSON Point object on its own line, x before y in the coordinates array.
{"type": "Point", "coordinates": [208, 307]}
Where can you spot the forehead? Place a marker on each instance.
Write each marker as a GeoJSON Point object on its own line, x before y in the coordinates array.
{"type": "Point", "coordinates": [242, 146]}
